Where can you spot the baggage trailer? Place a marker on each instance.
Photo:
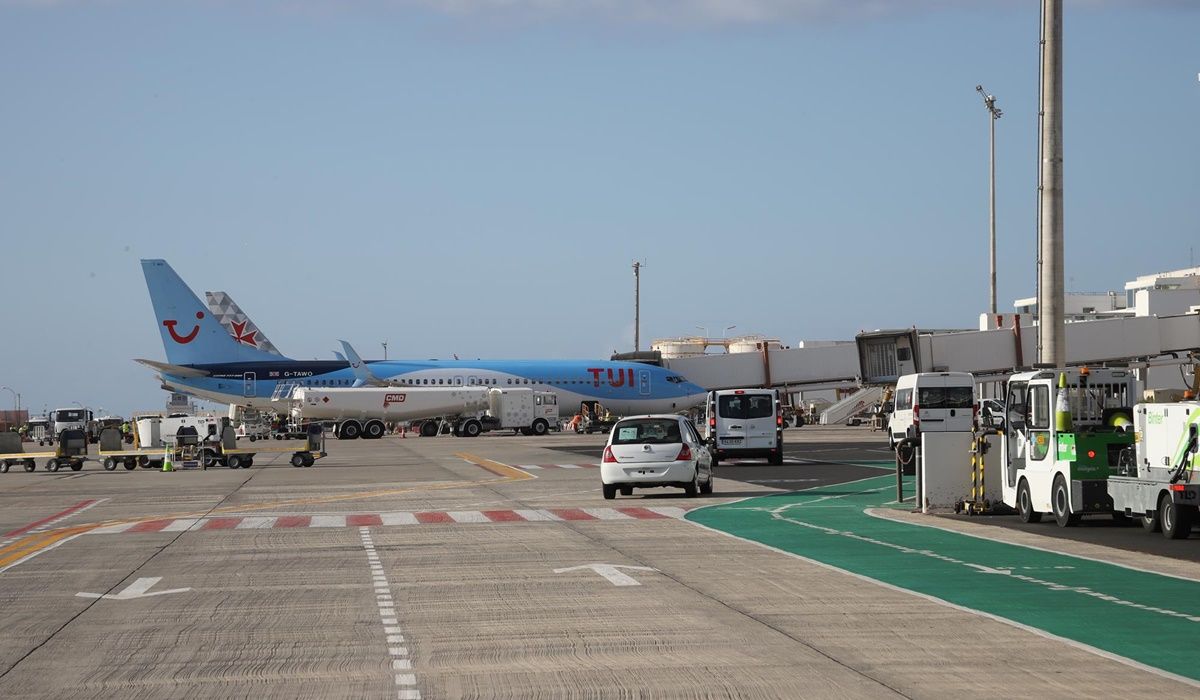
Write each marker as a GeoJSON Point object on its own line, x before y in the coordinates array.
{"type": "Point", "coordinates": [70, 451]}
{"type": "Point", "coordinates": [306, 455]}
{"type": "Point", "coordinates": [1158, 477]}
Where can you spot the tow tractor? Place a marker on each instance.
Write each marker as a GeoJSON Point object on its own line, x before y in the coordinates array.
{"type": "Point", "coordinates": [1065, 434]}
{"type": "Point", "coordinates": [70, 450]}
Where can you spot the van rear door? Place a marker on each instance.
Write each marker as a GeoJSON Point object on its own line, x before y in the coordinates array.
{"type": "Point", "coordinates": [945, 404]}
{"type": "Point", "coordinates": [760, 421]}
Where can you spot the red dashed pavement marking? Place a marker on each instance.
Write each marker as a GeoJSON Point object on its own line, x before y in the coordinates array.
{"type": "Point", "coordinates": [434, 517]}
{"type": "Point", "coordinates": [465, 518]}
{"type": "Point", "coordinates": [364, 520]}
{"type": "Point", "coordinates": [502, 516]}
{"type": "Point", "coordinates": [293, 521]}
{"type": "Point", "coordinates": [572, 514]}
{"type": "Point", "coordinates": [150, 526]}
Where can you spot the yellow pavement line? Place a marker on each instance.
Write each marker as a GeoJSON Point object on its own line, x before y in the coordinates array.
{"type": "Point", "coordinates": [510, 473]}
{"type": "Point", "coordinates": [33, 544]}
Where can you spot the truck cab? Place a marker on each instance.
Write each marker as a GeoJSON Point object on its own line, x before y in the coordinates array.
{"type": "Point", "coordinates": [1064, 434]}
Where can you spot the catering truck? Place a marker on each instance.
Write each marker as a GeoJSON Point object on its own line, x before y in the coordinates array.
{"type": "Point", "coordinates": [467, 410]}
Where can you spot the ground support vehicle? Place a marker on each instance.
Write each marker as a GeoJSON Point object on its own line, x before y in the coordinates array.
{"type": "Point", "coordinates": [1157, 479]}
{"type": "Point", "coordinates": [521, 410]}
{"type": "Point", "coordinates": [305, 455]}
{"type": "Point", "coordinates": [745, 423]}
{"type": "Point", "coordinates": [70, 451]}
{"type": "Point", "coordinates": [364, 411]}
{"type": "Point", "coordinates": [1065, 434]}
{"type": "Point", "coordinates": [41, 431]}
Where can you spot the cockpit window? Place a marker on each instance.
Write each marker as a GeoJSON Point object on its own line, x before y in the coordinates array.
{"type": "Point", "coordinates": [676, 379]}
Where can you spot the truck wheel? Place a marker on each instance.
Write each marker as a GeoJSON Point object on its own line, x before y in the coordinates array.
{"type": "Point", "coordinates": [297, 460]}
{"type": "Point", "coordinates": [234, 461]}
{"type": "Point", "coordinates": [208, 458]}
{"type": "Point", "coordinates": [610, 491]}
{"type": "Point", "coordinates": [472, 428]}
{"type": "Point", "coordinates": [30, 465]}
{"type": "Point", "coordinates": [373, 430]}
{"type": "Point", "coordinates": [429, 429]}
{"type": "Point", "coordinates": [1150, 522]}
{"type": "Point", "coordinates": [52, 465]}
{"type": "Point", "coordinates": [131, 464]}
{"type": "Point", "coordinates": [539, 427]}
{"type": "Point", "coordinates": [350, 431]}
{"type": "Point", "coordinates": [76, 466]}
{"type": "Point", "coordinates": [4, 466]}
{"type": "Point", "coordinates": [109, 464]}
{"type": "Point", "coordinates": [1176, 520]}
{"type": "Point", "coordinates": [1060, 499]}
{"type": "Point", "coordinates": [1025, 505]}
{"type": "Point", "coordinates": [309, 460]}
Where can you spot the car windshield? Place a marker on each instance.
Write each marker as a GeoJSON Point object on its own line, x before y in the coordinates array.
{"type": "Point", "coordinates": [746, 406]}
{"type": "Point", "coordinates": [66, 416]}
{"type": "Point", "coordinates": [646, 431]}
{"type": "Point", "coordinates": [946, 397]}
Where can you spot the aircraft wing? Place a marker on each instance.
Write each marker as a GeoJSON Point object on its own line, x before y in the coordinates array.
{"type": "Point", "coordinates": [175, 370]}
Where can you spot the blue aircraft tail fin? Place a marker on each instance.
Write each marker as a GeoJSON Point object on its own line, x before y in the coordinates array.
{"type": "Point", "coordinates": [190, 334]}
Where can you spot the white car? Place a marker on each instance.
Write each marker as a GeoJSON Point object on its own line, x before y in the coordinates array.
{"type": "Point", "coordinates": [654, 451]}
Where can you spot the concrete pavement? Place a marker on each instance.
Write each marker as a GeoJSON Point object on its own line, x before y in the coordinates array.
{"type": "Point", "coordinates": [404, 569]}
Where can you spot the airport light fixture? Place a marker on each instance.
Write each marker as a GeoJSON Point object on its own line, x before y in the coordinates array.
{"type": "Point", "coordinates": [16, 397]}
{"type": "Point", "coordinates": [705, 329]}
{"type": "Point", "coordinates": [994, 112]}
{"type": "Point", "coordinates": [727, 329]}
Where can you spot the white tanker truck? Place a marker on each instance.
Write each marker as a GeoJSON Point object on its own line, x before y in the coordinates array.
{"type": "Point", "coordinates": [470, 411]}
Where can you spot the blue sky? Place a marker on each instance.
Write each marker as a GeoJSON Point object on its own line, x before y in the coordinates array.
{"type": "Point", "coordinates": [476, 176]}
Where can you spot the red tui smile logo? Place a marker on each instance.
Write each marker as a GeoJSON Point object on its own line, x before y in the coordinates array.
{"type": "Point", "coordinates": [183, 339]}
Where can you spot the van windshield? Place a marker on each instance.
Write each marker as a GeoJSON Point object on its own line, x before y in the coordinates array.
{"type": "Point", "coordinates": [946, 397]}
{"type": "Point", "coordinates": [68, 415]}
{"type": "Point", "coordinates": [647, 431]}
{"type": "Point", "coordinates": [743, 406]}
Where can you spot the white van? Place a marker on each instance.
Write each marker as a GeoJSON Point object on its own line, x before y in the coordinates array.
{"type": "Point", "coordinates": [932, 402]}
{"type": "Point", "coordinates": [745, 423]}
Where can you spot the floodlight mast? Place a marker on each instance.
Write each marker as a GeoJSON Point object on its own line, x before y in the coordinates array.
{"type": "Point", "coordinates": [989, 101]}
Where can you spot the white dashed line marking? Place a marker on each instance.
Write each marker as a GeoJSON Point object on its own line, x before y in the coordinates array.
{"type": "Point", "coordinates": [405, 682]}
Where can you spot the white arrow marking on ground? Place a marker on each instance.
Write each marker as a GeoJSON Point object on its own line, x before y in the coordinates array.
{"type": "Point", "coordinates": [137, 589]}
{"type": "Point", "coordinates": [611, 572]}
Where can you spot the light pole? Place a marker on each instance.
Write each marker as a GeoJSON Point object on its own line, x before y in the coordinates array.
{"type": "Point", "coordinates": [637, 305]}
{"type": "Point", "coordinates": [705, 329]}
{"type": "Point", "coordinates": [989, 101]}
{"type": "Point", "coordinates": [727, 329]}
{"type": "Point", "coordinates": [384, 343]}
{"type": "Point", "coordinates": [16, 397]}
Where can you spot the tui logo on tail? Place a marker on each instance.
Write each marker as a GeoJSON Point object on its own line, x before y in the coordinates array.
{"type": "Point", "coordinates": [183, 339]}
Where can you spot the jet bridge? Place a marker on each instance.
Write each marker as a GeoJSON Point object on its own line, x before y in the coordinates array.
{"type": "Point", "coordinates": [1137, 340]}
{"type": "Point", "coordinates": [879, 358]}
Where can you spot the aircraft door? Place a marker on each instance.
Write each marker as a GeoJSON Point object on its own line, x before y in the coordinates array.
{"type": "Point", "coordinates": [644, 382]}
{"type": "Point", "coordinates": [249, 385]}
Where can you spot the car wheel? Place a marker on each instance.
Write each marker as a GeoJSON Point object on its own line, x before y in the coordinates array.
{"type": "Point", "coordinates": [776, 457]}
{"type": "Point", "coordinates": [707, 487]}
{"type": "Point", "coordinates": [1025, 505]}
{"type": "Point", "coordinates": [610, 491]}
{"type": "Point", "coordinates": [626, 490]}
{"type": "Point", "coordinates": [1060, 500]}
{"type": "Point", "coordinates": [693, 489]}
{"type": "Point", "coordinates": [1176, 520]}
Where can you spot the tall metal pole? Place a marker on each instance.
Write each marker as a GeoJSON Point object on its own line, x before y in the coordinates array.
{"type": "Point", "coordinates": [994, 113]}
{"type": "Point", "coordinates": [637, 306]}
{"type": "Point", "coordinates": [1052, 346]}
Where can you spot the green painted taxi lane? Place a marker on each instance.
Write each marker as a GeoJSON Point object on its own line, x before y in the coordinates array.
{"type": "Point", "coordinates": [1147, 618]}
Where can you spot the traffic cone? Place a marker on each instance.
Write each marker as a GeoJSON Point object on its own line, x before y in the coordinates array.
{"type": "Point", "coordinates": [1062, 408]}
{"type": "Point", "coordinates": [167, 461]}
